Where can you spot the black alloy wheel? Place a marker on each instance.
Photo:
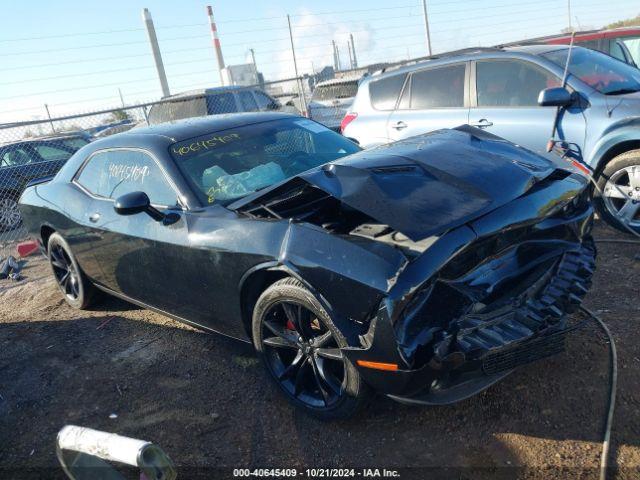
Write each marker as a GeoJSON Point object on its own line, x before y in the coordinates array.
{"type": "Point", "coordinates": [301, 348]}
{"type": "Point", "coordinates": [78, 291]}
{"type": "Point", "coordinates": [303, 355]}
{"type": "Point", "coordinates": [65, 273]}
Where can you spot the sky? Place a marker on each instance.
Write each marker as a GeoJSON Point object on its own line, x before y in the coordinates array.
{"type": "Point", "coordinates": [74, 55]}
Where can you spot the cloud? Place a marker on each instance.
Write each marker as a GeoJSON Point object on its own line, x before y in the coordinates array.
{"type": "Point", "coordinates": [312, 35]}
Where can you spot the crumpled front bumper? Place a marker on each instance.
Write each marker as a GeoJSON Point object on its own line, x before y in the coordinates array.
{"type": "Point", "coordinates": [487, 347]}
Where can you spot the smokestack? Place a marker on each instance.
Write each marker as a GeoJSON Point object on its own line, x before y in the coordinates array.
{"type": "Point", "coordinates": [216, 43]}
{"type": "Point", "coordinates": [335, 57]}
{"type": "Point", "coordinates": [353, 48]}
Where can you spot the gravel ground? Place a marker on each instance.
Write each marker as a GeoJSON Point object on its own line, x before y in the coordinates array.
{"type": "Point", "coordinates": [206, 400]}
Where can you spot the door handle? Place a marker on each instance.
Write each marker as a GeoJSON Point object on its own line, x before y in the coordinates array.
{"type": "Point", "coordinates": [482, 123]}
{"type": "Point", "coordinates": [94, 218]}
{"type": "Point", "coordinates": [399, 125]}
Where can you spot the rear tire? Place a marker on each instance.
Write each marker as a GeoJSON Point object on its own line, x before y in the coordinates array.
{"type": "Point", "coordinates": [618, 200]}
{"type": "Point", "coordinates": [78, 291]}
{"type": "Point", "coordinates": [300, 348]}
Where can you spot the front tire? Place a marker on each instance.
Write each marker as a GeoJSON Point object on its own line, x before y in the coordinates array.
{"type": "Point", "coordinates": [301, 349]}
{"type": "Point", "coordinates": [618, 200]}
{"type": "Point", "coordinates": [10, 217]}
{"type": "Point", "coordinates": [72, 282]}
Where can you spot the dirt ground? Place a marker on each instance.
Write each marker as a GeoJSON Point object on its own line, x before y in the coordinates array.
{"type": "Point", "coordinates": [206, 400]}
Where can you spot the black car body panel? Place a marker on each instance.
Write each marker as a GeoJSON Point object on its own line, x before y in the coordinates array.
{"type": "Point", "coordinates": [453, 255]}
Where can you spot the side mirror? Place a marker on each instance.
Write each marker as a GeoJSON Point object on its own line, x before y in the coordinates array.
{"type": "Point", "coordinates": [136, 202]}
{"type": "Point", "coordinates": [555, 97]}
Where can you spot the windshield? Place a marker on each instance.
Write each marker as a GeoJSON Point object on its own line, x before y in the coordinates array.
{"type": "Point", "coordinates": [225, 165]}
{"type": "Point", "coordinates": [600, 71]}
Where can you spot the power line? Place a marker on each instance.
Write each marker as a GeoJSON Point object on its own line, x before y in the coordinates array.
{"type": "Point", "coordinates": [101, 59]}
{"type": "Point", "coordinates": [199, 24]}
{"type": "Point", "coordinates": [83, 47]}
{"type": "Point", "coordinates": [103, 85]}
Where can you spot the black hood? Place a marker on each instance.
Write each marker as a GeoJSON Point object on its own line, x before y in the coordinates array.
{"type": "Point", "coordinates": [427, 184]}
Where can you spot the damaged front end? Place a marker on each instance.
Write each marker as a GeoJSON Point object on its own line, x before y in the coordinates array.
{"type": "Point", "coordinates": [486, 297]}
{"type": "Point", "coordinates": [495, 251]}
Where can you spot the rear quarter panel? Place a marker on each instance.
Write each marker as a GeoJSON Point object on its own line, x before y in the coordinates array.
{"type": "Point", "coordinates": [63, 208]}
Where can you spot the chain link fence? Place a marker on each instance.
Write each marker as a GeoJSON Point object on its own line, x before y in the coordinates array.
{"type": "Point", "coordinates": [35, 149]}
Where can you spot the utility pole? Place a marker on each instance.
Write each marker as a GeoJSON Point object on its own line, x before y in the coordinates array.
{"type": "Point", "coordinates": [338, 58]}
{"type": "Point", "coordinates": [426, 26]}
{"type": "Point", "coordinates": [303, 101]}
{"type": "Point", "coordinates": [216, 44]}
{"type": "Point", "coordinates": [353, 48]}
{"type": "Point", "coordinates": [46, 107]}
{"type": "Point", "coordinates": [569, 14]}
{"type": "Point", "coordinates": [121, 97]}
{"type": "Point", "coordinates": [255, 67]}
{"type": "Point", "coordinates": [155, 50]}
{"type": "Point", "coordinates": [350, 56]}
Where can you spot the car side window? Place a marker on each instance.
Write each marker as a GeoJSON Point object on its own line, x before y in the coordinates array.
{"type": "Point", "coordinates": [14, 156]}
{"type": "Point", "coordinates": [507, 83]}
{"type": "Point", "coordinates": [437, 88]}
{"type": "Point", "coordinates": [113, 173]}
{"type": "Point", "coordinates": [617, 51]}
{"type": "Point", "coordinates": [265, 102]}
{"type": "Point", "coordinates": [247, 101]}
{"type": "Point", "coordinates": [384, 92]}
{"type": "Point", "coordinates": [51, 153]}
{"type": "Point", "coordinates": [221, 103]}
{"type": "Point", "coordinates": [176, 109]}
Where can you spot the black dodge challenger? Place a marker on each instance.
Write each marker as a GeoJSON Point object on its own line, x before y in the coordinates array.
{"type": "Point", "coordinates": [426, 270]}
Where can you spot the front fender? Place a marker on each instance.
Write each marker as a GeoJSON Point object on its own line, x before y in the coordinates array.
{"type": "Point", "coordinates": [623, 131]}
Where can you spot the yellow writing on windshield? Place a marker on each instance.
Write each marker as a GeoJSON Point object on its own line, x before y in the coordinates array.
{"type": "Point", "coordinates": [206, 144]}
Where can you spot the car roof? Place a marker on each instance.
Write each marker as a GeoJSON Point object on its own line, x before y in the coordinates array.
{"type": "Point", "coordinates": [537, 49]}
{"type": "Point", "coordinates": [50, 138]}
{"type": "Point", "coordinates": [467, 54]}
{"type": "Point", "coordinates": [337, 81]}
{"type": "Point", "coordinates": [208, 91]}
{"type": "Point", "coordinates": [179, 130]}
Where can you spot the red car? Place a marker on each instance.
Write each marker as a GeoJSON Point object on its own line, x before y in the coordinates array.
{"type": "Point", "coordinates": [621, 43]}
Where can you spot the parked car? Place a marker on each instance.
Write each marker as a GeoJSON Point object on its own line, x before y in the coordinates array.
{"type": "Point", "coordinates": [621, 43]}
{"type": "Point", "coordinates": [331, 99]}
{"type": "Point", "coordinates": [211, 101]}
{"type": "Point", "coordinates": [426, 270]}
{"type": "Point", "coordinates": [498, 90]}
{"type": "Point", "coordinates": [28, 159]}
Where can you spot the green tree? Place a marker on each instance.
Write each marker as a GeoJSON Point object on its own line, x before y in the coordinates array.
{"type": "Point", "coordinates": [629, 22]}
{"type": "Point", "coordinates": [119, 115]}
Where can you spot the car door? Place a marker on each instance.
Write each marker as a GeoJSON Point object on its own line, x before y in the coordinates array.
{"type": "Point", "coordinates": [135, 253]}
{"type": "Point", "coordinates": [505, 103]}
{"type": "Point", "coordinates": [432, 98]}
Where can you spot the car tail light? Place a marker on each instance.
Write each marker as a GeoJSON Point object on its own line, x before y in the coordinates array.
{"type": "Point", "coordinates": [348, 118]}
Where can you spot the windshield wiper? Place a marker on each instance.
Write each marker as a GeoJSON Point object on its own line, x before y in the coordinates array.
{"type": "Point", "coordinates": [622, 91]}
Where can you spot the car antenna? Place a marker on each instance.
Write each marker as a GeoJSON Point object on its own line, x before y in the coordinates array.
{"type": "Point", "coordinates": [551, 143]}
